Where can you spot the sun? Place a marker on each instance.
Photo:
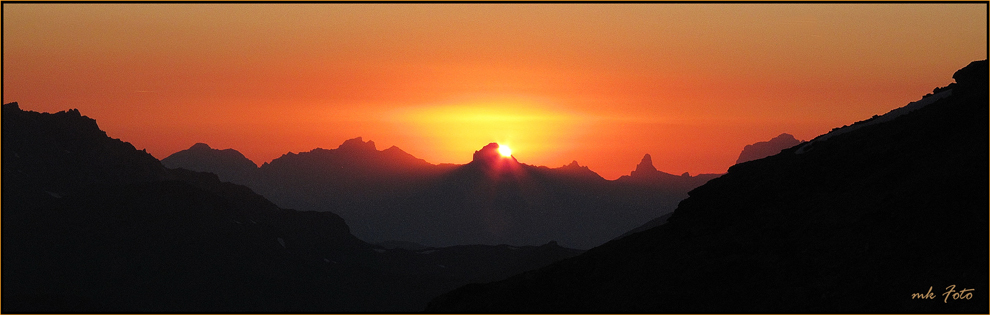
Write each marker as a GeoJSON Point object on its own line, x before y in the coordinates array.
{"type": "Point", "coordinates": [504, 150]}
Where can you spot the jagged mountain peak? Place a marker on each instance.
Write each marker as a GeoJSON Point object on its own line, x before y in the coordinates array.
{"type": "Point", "coordinates": [489, 151]}
{"type": "Point", "coordinates": [489, 155]}
{"type": "Point", "coordinates": [67, 151]}
{"type": "Point", "coordinates": [574, 166]}
{"type": "Point", "coordinates": [764, 149]}
{"type": "Point", "coordinates": [645, 167]}
{"type": "Point", "coordinates": [646, 164]}
{"type": "Point", "coordinates": [576, 169]}
{"type": "Point", "coordinates": [357, 144]}
{"type": "Point", "coordinates": [784, 137]}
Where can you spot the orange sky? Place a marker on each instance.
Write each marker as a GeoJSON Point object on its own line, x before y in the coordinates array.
{"type": "Point", "coordinates": [602, 84]}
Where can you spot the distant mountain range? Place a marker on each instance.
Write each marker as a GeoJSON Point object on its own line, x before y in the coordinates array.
{"type": "Point", "coordinates": [92, 225]}
{"type": "Point", "coordinates": [869, 218]}
{"type": "Point", "coordinates": [390, 195]}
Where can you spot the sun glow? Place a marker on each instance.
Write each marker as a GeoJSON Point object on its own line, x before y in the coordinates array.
{"type": "Point", "coordinates": [542, 131]}
{"type": "Point", "coordinates": [504, 150]}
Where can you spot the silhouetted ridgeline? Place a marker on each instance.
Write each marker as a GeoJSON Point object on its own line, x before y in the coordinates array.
{"type": "Point", "coordinates": [648, 225]}
{"type": "Point", "coordinates": [92, 225]}
{"type": "Point", "coordinates": [764, 149]}
{"type": "Point", "coordinates": [390, 195]}
{"type": "Point", "coordinates": [857, 222]}
{"type": "Point", "coordinates": [229, 165]}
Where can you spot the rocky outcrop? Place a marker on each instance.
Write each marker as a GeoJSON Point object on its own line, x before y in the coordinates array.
{"type": "Point", "coordinates": [764, 149]}
{"type": "Point", "coordinates": [357, 144]}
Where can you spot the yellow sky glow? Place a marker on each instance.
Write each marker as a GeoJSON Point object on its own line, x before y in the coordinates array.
{"type": "Point", "coordinates": [603, 84]}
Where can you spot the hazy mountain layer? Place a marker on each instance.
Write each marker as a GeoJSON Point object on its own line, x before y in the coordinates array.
{"type": "Point", "coordinates": [228, 164]}
{"type": "Point", "coordinates": [389, 195]}
{"type": "Point", "coordinates": [857, 222]}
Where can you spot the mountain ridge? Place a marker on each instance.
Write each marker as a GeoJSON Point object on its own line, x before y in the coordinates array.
{"type": "Point", "coordinates": [857, 223]}
{"type": "Point", "coordinates": [381, 193]}
{"type": "Point", "coordinates": [93, 225]}
{"type": "Point", "coordinates": [764, 149]}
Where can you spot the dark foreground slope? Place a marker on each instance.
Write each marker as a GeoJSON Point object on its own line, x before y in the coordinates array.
{"type": "Point", "coordinates": [855, 223]}
{"type": "Point", "coordinates": [92, 225]}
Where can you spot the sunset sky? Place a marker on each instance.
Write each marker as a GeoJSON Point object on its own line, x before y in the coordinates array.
{"type": "Point", "coordinates": [603, 84]}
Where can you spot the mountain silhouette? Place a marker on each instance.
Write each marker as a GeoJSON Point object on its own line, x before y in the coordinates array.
{"type": "Point", "coordinates": [229, 164]}
{"type": "Point", "coordinates": [857, 222]}
{"type": "Point", "coordinates": [579, 172]}
{"type": "Point", "coordinates": [392, 196]}
{"type": "Point", "coordinates": [764, 149]}
{"type": "Point", "coordinates": [354, 158]}
{"type": "Point", "coordinates": [645, 168]}
{"type": "Point", "coordinates": [489, 157]}
{"type": "Point", "coordinates": [646, 172]}
{"type": "Point", "coordinates": [93, 225]}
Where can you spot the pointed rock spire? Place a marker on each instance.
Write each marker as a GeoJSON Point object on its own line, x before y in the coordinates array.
{"type": "Point", "coordinates": [645, 168]}
{"type": "Point", "coordinates": [646, 165]}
